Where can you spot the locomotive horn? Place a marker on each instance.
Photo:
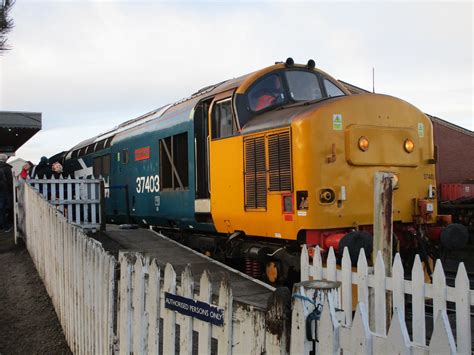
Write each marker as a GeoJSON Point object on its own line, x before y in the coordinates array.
{"type": "Point", "coordinates": [289, 62]}
{"type": "Point", "coordinates": [311, 64]}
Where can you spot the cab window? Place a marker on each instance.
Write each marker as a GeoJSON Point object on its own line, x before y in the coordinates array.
{"type": "Point", "coordinates": [303, 85]}
{"type": "Point", "coordinates": [268, 92]}
{"type": "Point", "coordinates": [331, 89]}
{"type": "Point", "coordinates": [222, 119]}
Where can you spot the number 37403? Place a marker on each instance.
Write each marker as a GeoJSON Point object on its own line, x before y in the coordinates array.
{"type": "Point", "coordinates": [148, 183]}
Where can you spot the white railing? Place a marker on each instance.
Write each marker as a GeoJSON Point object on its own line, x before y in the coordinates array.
{"type": "Point", "coordinates": [78, 274]}
{"type": "Point", "coordinates": [147, 297]}
{"type": "Point", "coordinates": [367, 332]}
{"type": "Point", "coordinates": [80, 279]}
{"type": "Point", "coordinates": [79, 200]}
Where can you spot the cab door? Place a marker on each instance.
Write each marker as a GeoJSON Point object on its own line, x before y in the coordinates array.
{"type": "Point", "coordinates": [226, 164]}
{"type": "Point", "coordinates": [202, 204]}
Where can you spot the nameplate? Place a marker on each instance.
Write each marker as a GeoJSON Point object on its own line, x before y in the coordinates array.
{"type": "Point", "coordinates": [196, 309]}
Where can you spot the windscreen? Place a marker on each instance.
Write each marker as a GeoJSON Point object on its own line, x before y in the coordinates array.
{"type": "Point", "coordinates": [304, 86]}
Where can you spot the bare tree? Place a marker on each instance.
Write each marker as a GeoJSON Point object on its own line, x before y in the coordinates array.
{"type": "Point", "coordinates": [6, 23]}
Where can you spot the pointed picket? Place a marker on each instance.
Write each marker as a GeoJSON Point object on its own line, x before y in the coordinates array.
{"type": "Point", "coordinates": [418, 302]}
{"type": "Point", "coordinates": [328, 329]}
{"type": "Point", "coordinates": [125, 316]}
{"type": "Point", "coordinates": [153, 308]}
{"type": "Point", "coordinates": [363, 282]}
{"type": "Point", "coordinates": [169, 316]}
{"type": "Point", "coordinates": [225, 302]}
{"type": "Point", "coordinates": [186, 323]}
{"type": "Point", "coordinates": [442, 340]}
{"type": "Point", "coordinates": [361, 338]}
{"type": "Point", "coordinates": [463, 311]}
{"type": "Point", "coordinates": [398, 285]}
{"type": "Point", "coordinates": [299, 344]}
{"type": "Point", "coordinates": [380, 296]}
{"type": "Point", "coordinates": [204, 328]}
{"type": "Point", "coordinates": [331, 266]}
{"type": "Point", "coordinates": [138, 305]}
{"type": "Point", "coordinates": [304, 263]}
{"type": "Point", "coordinates": [439, 289]}
{"type": "Point", "coordinates": [398, 340]}
{"type": "Point", "coordinates": [317, 269]}
{"type": "Point", "coordinates": [346, 287]}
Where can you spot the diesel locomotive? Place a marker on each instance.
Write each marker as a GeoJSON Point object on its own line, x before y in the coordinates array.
{"type": "Point", "coordinates": [251, 168]}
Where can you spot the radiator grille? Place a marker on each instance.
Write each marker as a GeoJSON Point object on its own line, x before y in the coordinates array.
{"type": "Point", "coordinates": [255, 173]}
{"type": "Point", "coordinates": [279, 162]}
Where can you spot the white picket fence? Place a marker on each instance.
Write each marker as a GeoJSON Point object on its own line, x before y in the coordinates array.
{"type": "Point", "coordinates": [79, 200]}
{"type": "Point", "coordinates": [366, 333]}
{"type": "Point", "coordinates": [80, 279]}
{"type": "Point", "coordinates": [142, 307]}
{"type": "Point", "coordinates": [78, 274]}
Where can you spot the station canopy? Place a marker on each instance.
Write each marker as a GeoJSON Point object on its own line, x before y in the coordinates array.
{"type": "Point", "coordinates": [16, 128]}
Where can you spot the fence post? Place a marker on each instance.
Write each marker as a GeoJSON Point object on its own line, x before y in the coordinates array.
{"type": "Point", "coordinates": [102, 205]}
{"type": "Point", "coordinates": [308, 300]}
{"type": "Point", "coordinates": [383, 230]}
{"type": "Point", "coordinates": [277, 321]}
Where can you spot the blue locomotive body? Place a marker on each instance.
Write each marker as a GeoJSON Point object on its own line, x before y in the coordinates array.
{"type": "Point", "coordinates": [134, 157]}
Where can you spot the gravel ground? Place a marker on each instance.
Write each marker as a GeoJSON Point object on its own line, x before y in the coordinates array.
{"type": "Point", "coordinates": [28, 322]}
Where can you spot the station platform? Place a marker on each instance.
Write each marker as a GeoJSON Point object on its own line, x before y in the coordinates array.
{"type": "Point", "coordinates": [245, 289]}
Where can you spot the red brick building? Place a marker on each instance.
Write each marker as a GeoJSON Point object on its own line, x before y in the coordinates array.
{"type": "Point", "coordinates": [455, 152]}
{"type": "Point", "coordinates": [455, 147]}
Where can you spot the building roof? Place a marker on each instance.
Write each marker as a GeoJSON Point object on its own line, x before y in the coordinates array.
{"type": "Point", "coordinates": [447, 124]}
{"type": "Point", "coordinates": [16, 128]}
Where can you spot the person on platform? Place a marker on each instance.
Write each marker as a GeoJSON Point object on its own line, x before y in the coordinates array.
{"type": "Point", "coordinates": [6, 194]}
{"type": "Point", "coordinates": [57, 169]}
{"type": "Point", "coordinates": [25, 171]}
{"type": "Point", "coordinates": [42, 170]}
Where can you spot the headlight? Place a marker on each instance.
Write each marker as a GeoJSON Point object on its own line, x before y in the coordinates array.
{"type": "Point", "coordinates": [363, 143]}
{"type": "Point", "coordinates": [409, 145]}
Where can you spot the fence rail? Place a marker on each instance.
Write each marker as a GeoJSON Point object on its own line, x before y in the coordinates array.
{"type": "Point", "coordinates": [78, 274]}
{"type": "Point", "coordinates": [372, 287]}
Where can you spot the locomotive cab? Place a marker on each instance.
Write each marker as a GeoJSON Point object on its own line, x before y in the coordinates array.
{"type": "Point", "coordinates": [297, 163]}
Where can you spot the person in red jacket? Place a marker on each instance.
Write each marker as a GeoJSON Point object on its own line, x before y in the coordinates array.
{"type": "Point", "coordinates": [269, 93]}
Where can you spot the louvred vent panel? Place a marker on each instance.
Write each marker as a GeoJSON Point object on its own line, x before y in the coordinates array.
{"type": "Point", "coordinates": [279, 162]}
{"type": "Point", "coordinates": [255, 173]}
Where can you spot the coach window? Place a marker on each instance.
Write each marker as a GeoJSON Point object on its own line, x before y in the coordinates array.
{"type": "Point", "coordinates": [174, 162]}
{"type": "Point", "coordinates": [125, 156]}
{"type": "Point", "coordinates": [223, 124]}
{"type": "Point", "coordinates": [331, 89]}
{"type": "Point", "coordinates": [101, 165]}
{"type": "Point", "coordinates": [82, 151]}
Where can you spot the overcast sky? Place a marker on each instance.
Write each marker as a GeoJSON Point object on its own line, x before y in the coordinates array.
{"type": "Point", "coordinates": [88, 66]}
